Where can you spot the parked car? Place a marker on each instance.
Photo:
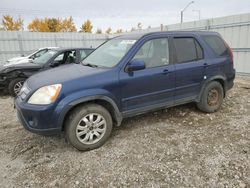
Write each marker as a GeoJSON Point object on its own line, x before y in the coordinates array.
{"type": "Point", "coordinates": [33, 55]}
{"type": "Point", "coordinates": [12, 76]}
{"type": "Point", "coordinates": [124, 77]}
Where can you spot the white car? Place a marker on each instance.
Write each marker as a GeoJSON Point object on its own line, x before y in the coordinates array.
{"type": "Point", "coordinates": [33, 55]}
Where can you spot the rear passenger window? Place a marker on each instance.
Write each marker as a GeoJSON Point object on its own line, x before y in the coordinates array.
{"type": "Point", "coordinates": [187, 49]}
{"type": "Point", "coordinates": [217, 45]}
{"type": "Point", "coordinates": [199, 50]}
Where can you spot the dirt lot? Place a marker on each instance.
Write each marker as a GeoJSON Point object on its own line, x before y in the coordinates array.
{"type": "Point", "coordinates": [177, 147]}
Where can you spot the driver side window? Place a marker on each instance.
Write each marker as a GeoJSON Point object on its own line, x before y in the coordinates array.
{"type": "Point", "coordinates": [60, 57]}
{"type": "Point", "coordinates": [154, 53]}
{"type": "Point", "coordinates": [66, 57]}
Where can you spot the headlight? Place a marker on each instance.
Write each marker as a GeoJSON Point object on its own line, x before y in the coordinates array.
{"type": "Point", "coordinates": [46, 95]}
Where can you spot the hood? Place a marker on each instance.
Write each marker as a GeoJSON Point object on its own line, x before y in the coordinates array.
{"type": "Point", "coordinates": [62, 75]}
{"type": "Point", "coordinates": [22, 65]}
{"type": "Point", "coordinates": [18, 61]}
{"type": "Point", "coordinates": [2, 68]}
{"type": "Point", "coordinates": [15, 59]}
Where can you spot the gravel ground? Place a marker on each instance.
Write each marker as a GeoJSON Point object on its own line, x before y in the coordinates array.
{"type": "Point", "coordinates": [177, 147]}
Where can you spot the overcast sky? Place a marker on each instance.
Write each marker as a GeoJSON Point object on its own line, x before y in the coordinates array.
{"type": "Point", "coordinates": [123, 14]}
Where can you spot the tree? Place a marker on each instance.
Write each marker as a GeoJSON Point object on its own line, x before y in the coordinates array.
{"type": "Point", "coordinates": [9, 24]}
{"type": "Point", "coordinates": [119, 31]}
{"type": "Point", "coordinates": [68, 25]}
{"type": "Point", "coordinates": [39, 25]}
{"type": "Point", "coordinates": [86, 27]}
{"type": "Point", "coordinates": [98, 31]}
{"type": "Point", "coordinates": [52, 25]}
{"type": "Point", "coordinates": [109, 30]}
{"type": "Point", "coordinates": [132, 29]}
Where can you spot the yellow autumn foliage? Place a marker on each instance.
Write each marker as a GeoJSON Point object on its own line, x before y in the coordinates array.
{"type": "Point", "coordinates": [10, 24]}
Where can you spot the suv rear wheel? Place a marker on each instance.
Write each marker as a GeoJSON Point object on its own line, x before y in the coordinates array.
{"type": "Point", "coordinates": [212, 98]}
{"type": "Point", "coordinates": [88, 127]}
{"type": "Point", "coordinates": [15, 86]}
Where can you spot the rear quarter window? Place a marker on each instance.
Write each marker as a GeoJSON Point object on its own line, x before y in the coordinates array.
{"type": "Point", "coordinates": [187, 49]}
{"type": "Point", "coordinates": [217, 45]}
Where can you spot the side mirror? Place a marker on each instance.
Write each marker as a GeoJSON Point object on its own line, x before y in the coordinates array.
{"type": "Point", "coordinates": [55, 64]}
{"type": "Point", "coordinates": [32, 57]}
{"type": "Point", "coordinates": [135, 65]}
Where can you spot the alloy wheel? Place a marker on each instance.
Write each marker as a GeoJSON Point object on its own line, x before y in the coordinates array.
{"type": "Point", "coordinates": [18, 86]}
{"type": "Point", "coordinates": [91, 128]}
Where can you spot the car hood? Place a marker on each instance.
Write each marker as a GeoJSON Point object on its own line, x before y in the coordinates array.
{"type": "Point", "coordinates": [2, 68]}
{"type": "Point", "coordinates": [22, 65]}
{"type": "Point", "coordinates": [62, 75]}
{"type": "Point", "coordinates": [16, 59]}
{"type": "Point", "coordinates": [20, 61]}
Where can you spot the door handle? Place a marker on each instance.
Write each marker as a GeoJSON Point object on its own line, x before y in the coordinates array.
{"type": "Point", "coordinates": [205, 65]}
{"type": "Point", "coordinates": [165, 71]}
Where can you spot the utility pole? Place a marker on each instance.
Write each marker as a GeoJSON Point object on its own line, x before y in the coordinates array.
{"type": "Point", "coordinates": [185, 9]}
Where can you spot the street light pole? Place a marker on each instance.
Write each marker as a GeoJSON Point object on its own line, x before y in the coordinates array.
{"type": "Point", "coordinates": [199, 12]}
{"type": "Point", "coordinates": [182, 16]}
{"type": "Point", "coordinates": [185, 9]}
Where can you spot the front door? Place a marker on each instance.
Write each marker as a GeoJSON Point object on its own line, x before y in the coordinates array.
{"type": "Point", "coordinates": [153, 85]}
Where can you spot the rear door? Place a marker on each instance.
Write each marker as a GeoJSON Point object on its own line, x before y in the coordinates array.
{"type": "Point", "coordinates": [189, 67]}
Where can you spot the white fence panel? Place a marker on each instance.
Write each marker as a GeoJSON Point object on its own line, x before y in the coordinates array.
{"type": "Point", "coordinates": [16, 43]}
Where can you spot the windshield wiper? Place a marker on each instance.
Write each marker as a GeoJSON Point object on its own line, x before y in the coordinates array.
{"type": "Point", "coordinates": [90, 65]}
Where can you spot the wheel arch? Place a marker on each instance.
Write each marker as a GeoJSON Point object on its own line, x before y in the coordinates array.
{"type": "Point", "coordinates": [18, 74]}
{"type": "Point", "coordinates": [220, 79]}
{"type": "Point", "coordinates": [104, 101]}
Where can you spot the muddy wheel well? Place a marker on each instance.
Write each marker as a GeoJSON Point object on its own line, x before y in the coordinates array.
{"type": "Point", "coordinates": [222, 82]}
{"type": "Point", "coordinates": [101, 102]}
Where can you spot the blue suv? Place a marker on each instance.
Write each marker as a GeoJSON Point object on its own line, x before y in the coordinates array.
{"type": "Point", "coordinates": [126, 76]}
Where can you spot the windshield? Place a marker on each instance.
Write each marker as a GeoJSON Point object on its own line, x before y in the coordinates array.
{"type": "Point", "coordinates": [38, 53]}
{"type": "Point", "coordinates": [45, 57]}
{"type": "Point", "coordinates": [110, 53]}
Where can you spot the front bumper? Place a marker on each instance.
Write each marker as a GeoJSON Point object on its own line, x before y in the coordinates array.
{"type": "Point", "coordinates": [37, 119]}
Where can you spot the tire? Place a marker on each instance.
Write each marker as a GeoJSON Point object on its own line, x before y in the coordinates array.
{"type": "Point", "coordinates": [15, 86]}
{"type": "Point", "coordinates": [79, 121]}
{"type": "Point", "coordinates": [212, 97]}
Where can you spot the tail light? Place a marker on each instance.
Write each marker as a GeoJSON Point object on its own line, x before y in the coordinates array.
{"type": "Point", "coordinates": [231, 54]}
{"type": "Point", "coordinates": [230, 51]}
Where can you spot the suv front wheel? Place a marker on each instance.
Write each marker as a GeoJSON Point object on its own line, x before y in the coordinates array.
{"type": "Point", "coordinates": [212, 97]}
{"type": "Point", "coordinates": [88, 127]}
